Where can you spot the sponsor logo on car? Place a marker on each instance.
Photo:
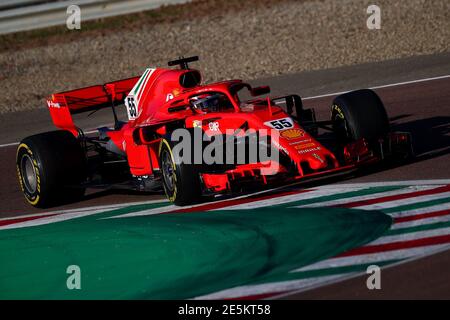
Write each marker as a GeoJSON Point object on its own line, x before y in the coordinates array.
{"type": "Point", "coordinates": [197, 124]}
{"type": "Point", "coordinates": [172, 95]}
{"type": "Point", "coordinates": [305, 146]}
{"type": "Point", "coordinates": [315, 155]}
{"type": "Point", "coordinates": [169, 97]}
{"type": "Point", "coordinates": [293, 143]}
{"type": "Point", "coordinates": [213, 126]}
{"type": "Point", "coordinates": [292, 133]}
{"type": "Point", "coordinates": [280, 147]}
{"type": "Point", "coordinates": [309, 150]}
{"type": "Point", "coordinates": [52, 104]}
{"type": "Point", "coordinates": [339, 111]}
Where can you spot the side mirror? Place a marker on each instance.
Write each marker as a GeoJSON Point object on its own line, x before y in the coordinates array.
{"type": "Point", "coordinates": [259, 91]}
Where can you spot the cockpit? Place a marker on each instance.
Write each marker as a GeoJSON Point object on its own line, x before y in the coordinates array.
{"type": "Point", "coordinates": [211, 102]}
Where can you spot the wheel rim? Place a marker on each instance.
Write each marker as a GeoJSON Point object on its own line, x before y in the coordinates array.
{"type": "Point", "coordinates": [168, 171]}
{"type": "Point", "coordinates": [28, 173]}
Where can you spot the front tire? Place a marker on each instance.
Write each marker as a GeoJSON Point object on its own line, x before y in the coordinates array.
{"type": "Point", "coordinates": [359, 114]}
{"type": "Point", "coordinates": [181, 181]}
{"type": "Point", "coordinates": [49, 165]}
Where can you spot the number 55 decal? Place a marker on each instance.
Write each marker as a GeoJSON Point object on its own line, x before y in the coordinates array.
{"type": "Point", "coordinates": [280, 124]}
{"type": "Point", "coordinates": [132, 111]}
{"type": "Point", "coordinates": [135, 95]}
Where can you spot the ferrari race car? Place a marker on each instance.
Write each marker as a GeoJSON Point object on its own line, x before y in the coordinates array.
{"type": "Point", "coordinates": [195, 140]}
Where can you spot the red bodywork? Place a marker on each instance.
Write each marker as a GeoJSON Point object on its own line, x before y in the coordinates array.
{"type": "Point", "coordinates": [159, 98]}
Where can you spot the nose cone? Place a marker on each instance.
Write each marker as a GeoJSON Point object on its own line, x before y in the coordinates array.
{"type": "Point", "coordinates": [317, 161]}
{"type": "Point", "coordinates": [312, 156]}
{"type": "Point", "coordinates": [308, 153]}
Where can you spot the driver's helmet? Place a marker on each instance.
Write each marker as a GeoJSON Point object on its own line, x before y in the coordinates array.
{"type": "Point", "coordinates": [207, 102]}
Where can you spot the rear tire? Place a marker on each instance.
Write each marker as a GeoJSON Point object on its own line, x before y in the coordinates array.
{"type": "Point", "coordinates": [181, 181]}
{"type": "Point", "coordinates": [49, 167]}
{"type": "Point", "coordinates": [359, 114]}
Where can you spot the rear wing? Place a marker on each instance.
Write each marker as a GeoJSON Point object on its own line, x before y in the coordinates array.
{"type": "Point", "coordinates": [62, 105]}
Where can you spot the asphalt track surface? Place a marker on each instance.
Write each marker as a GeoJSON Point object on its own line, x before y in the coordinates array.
{"type": "Point", "coordinates": [423, 108]}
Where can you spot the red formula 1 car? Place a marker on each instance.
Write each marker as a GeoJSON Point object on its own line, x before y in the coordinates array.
{"type": "Point", "coordinates": [140, 154]}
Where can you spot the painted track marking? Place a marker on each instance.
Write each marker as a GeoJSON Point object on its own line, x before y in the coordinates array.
{"type": "Point", "coordinates": [403, 247]}
{"type": "Point", "coordinates": [399, 245]}
{"type": "Point", "coordinates": [368, 258]}
{"type": "Point", "coordinates": [339, 202]}
{"type": "Point", "coordinates": [381, 86]}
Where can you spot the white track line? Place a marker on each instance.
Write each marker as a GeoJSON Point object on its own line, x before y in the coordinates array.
{"type": "Point", "coordinates": [85, 132]}
{"type": "Point", "coordinates": [252, 204]}
{"type": "Point", "coordinates": [402, 202]}
{"type": "Point", "coordinates": [291, 198]}
{"type": "Point", "coordinates": [85, 209]}
{"type": "Point", "coordinates": [339, 189]}
{"type": "Point", "coordinates": [370, 258]}
{"type": "Point", "coordinates": [319, 96]}
{"type": "Point", "coordinates": [148, 212]}
{"type": "Point", "coordinates": [9, 144]}
{"type": "Point", "coordinates": [326, 189]}
{"type": "Point", "coordinates": [52, 219]}
{"type": "Point", "coordinates": [306, 284]}
{"type": "Point", "coordinates": [414, 212]}
{"type": "Point", "coordinates": [432, 250]}
{"type": "Point", "coordinates": [431, 182]}
{"type": "Point", "coordinates": [173, 207]}
{"type": "Point", "coordinates": [65, 215]}
{"type": "Point", "coordinates": [425, 221]}
{"type": "Point", "coordinates": [309, 283]}
{"type": "Point", "coordinates": [383, 256]}
{"type": "Point", "coordinates": [410, 236]}
{"type": "Point", "coordinates": [367, 197]}
{"type": "Point", "coordinates": [250, 290]}
{"type": "Point", "coordinates": [382, 86]}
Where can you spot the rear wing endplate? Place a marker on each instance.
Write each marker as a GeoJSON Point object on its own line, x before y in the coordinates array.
{"type": "Point", "coordinates": [62, 105]}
